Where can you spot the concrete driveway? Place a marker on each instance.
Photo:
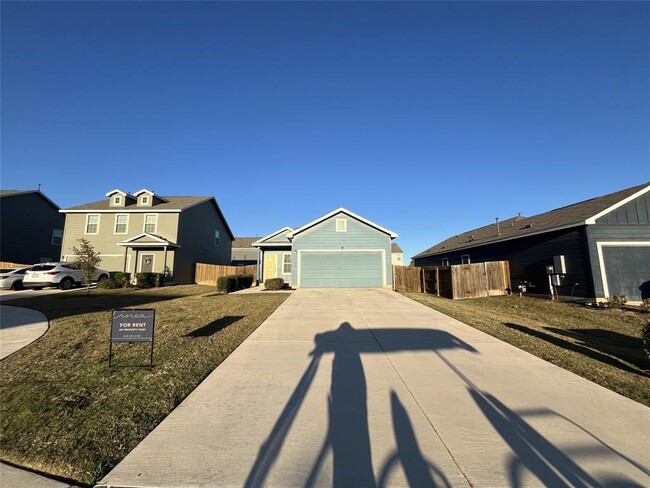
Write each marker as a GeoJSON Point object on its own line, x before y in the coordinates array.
{"type": "Point", "coordinates": [19, 327]}
{"type": "Point", "coordinates": [368, 388]}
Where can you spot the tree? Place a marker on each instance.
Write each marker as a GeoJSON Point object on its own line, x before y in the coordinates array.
{"type": "Point", "coordinates": [87, 260]}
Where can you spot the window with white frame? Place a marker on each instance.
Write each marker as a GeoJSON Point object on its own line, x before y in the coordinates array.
{"type": "Point", "coordinates": [150, 221]}
{"type": "Point", "coordinates": [121, 223]}
{"type": "Point", "coordinates": [57, 237]}
{"type": "Point", "coordinates": [341, 225]}
{"type": "Point", "coordinates": [464, 259]}
{"type": "Point", "coordinates": [92, 224]}
{"type": "Point", "coordinates": [216, 237]}
{"type": "Point", "coordinates": [117, 200]}
{"type": "Point", "coordinates": [445, 261]}
{"type": "Point", "coordinates": [286, 263]}
{"type": "Point", "coordinates": [144, 200]}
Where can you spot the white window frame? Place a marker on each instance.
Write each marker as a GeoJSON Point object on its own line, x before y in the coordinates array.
{"type": "Point", "coordinates": [144, 199]}
{"type": "Point", "coordinates": [444, 262]}
{"type": "Point", "coordinates": [462, 259]}
{"type": "Point", "coordinates": [126, 228]}
{"type": "Point", "coordinates": [87, 223]}
{"type": "Point", "coordinates": [217, 235]}
{"type": "Point", "coordinates": [344, 225]}
{"type": "Point", "coordinates": [284, 262]}
{"type": "Point", "coordinates": [117, 200]}
{"type": "Point", "coordinates": [153, 261]}
{"type": "Point", "coordinates": [57, 233]}
{"type": "Point", "coordinates": [144, 225]}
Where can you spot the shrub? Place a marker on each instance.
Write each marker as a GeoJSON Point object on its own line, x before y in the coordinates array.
{"type": "Point", "coordinates": [159, 279]}
{"type": "Point", "coordinates": [645, 335]}
{"type": "Point", "coordinates": [616, 301]}
{"type": "Point", "coordinates": [244, 281]}
{"type": "Point", "coordinates": [124, 279]}
{"type": "Point", "coordinates": [109, 284]}
{"type": "Point", "coordinates": [145, 280]}
{"type": "Point", "coordinates": [227, 284]}
{"type": "Point", "coordinates": [274, 284]}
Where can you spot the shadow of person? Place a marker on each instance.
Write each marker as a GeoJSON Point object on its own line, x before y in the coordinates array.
{"type": "Point", "coordinates": [348, 432]}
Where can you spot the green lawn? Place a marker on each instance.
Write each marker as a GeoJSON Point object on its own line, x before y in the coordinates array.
{"type": "Point", "coordinates": [602, 345]}
{"type": "Point", "coordinates": [63, 411]}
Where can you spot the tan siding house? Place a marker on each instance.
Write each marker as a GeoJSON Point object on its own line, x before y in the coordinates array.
{"type": "Point", "coordinates": [145, 232]}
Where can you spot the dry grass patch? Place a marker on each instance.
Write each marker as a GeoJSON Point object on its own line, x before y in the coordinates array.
{"type": "Point", "coordinates": [64, 412]}
{"type": "Point", "coordinates": [603, 346]}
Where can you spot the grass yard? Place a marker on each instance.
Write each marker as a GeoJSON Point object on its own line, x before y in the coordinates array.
{"type": "Point", "coordinates": [63, 411]}
{"type": "Point", "coordinates": [603, 346]}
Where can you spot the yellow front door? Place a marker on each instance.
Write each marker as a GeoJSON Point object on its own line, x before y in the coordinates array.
{"type": "Point", "coordinates": [270, 266]}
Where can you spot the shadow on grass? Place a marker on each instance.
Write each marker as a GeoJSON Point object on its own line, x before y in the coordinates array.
{"type": "Point", "coordinates": [586, 351]}
{"type": "Point", "coordinates": [63, 305]}
{"type": "Point", "coordinates": [214, 327]}
{"type": "Point", "coordinates": [624, 347]}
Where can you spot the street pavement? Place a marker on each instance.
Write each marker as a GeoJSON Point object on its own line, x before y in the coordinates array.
{"type": "Point", "coordinates": [355, 388]}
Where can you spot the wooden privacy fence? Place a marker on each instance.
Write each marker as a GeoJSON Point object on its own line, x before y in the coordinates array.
{"type": "Point", "coordinates": [457, 281]}
{"type": "Point", "coordinates": [4, 264]}
{"type": "Point", "coordinates": [207, 274]}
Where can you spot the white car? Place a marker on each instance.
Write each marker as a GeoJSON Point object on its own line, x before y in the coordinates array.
{"type": "Point", "coordinates": [62, 275]}
{"type": "Point", "coordinates": [12, 278]}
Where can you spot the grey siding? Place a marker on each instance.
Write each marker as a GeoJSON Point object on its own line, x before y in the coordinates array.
{"type": "Point", "coordinates": [528, 258]}
{"type": "Point", "coordinates": [323, 236]}
{"type": "Point", "coordinates": [243, 255]}
{"type": "Point", "coordinates": [636, 211]}
{"type": "Point", "coordinates": [613, 234]}
{"type": "Point", "coordinates": [27, 222]}
{"type": "Point", "coordinates": [196, 238]}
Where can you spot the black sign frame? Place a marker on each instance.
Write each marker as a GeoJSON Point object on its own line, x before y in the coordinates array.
{"type": "Point", "coordinates": [146, 318]}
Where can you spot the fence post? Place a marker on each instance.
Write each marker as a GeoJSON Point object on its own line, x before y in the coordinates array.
{"type": "Point", "coordinates": [437, 281]}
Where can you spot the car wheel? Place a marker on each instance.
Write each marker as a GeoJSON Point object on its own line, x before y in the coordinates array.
{"type": "Point", "coordinates": [17, 285]}
{"type": "Point", "coordinates": [66, 283]}
{"type": "Point", "coordinates": [102, 277]}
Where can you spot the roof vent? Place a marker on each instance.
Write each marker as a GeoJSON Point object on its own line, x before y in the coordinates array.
{"type": "Point", "coordinates": [529, 226]}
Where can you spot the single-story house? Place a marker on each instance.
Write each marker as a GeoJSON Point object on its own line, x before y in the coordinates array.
{"type": "Point", "coordinates": [243, 252]}
{"type": "Point", "coordinates": [397, 254]}
{"type": "Point", "coordinates": [31, 227]}
{"type": "Point", "coordinates": [597, 248]}
{"type": "Point", "coordinates": [338, 250]}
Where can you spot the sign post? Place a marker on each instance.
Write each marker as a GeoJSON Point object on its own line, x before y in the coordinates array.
{"type": "Point", "coordinates": [132, 325]}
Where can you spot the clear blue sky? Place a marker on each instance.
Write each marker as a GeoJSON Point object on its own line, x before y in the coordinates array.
{"type": "Point", "coordinates": [428, 118]}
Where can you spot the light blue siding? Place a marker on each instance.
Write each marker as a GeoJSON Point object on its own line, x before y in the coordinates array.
{"type": "Point", "coordinates": [358, 236]}
{"type": "Point", "coordinates": [279, 265]}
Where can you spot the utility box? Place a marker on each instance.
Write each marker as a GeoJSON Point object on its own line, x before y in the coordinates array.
{"type": "Point", "coordinates": [559, 265]}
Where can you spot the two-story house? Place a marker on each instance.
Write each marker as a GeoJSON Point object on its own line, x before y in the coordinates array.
{"type": "Point", "coordinates": [31, 227]}
{"type": "Point", "coordinates": [146, 232]}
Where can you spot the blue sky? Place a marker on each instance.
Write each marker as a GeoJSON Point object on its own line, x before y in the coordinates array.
{"type": "Point", "coordinates": [428, 118]}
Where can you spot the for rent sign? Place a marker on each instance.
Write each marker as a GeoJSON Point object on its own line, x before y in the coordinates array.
{"type": "Point", "coordinates": [132, 325]}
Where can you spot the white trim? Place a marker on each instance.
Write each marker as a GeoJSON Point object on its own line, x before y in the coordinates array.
{"type": "Point", "coordinates": [330, 251]}
{"type": "Point", "coordinates": [347, 212]}
{"type": "Point", "coordinates": [592, 220]}
{"type": "Point", "coordinates": [99, 219]}
{"type": "Point", "coordinates": [601, 259]}
{"type": "Point", "coordinates": [126, 210]}
{"type": "Point", "coordinates": [113, 192]}
{"type": "Point", "coordinates": [144, 223]}
{"type": "Point", "coordinates": [260, 242]}
{"type": "Point", "coordinates": [290, 263]}
{"type": "Point", "coordinates": [271, 244]}
{"type": "Point", "coordinates": [153, 262]}
{"type": "Point", "coordinates": [150, 193]}
{"type": "Point", "coordinates": [115, 224]}
{"type": "Point", "coordinates": [469, 260]}
{"type": "Point", "coordinates": [160, 241]}
{"type": "Point", "coordinates": [344, 225]}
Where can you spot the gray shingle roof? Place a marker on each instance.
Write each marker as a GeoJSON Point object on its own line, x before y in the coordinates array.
{"type": "Point", "coordinates": [244, 242]}
{"type": "Point", "coordinates": [516, 227]}
{"type": "Point", "coordinates": [174, 203]}
{"type": "Point", "coordinates": [395, 248]}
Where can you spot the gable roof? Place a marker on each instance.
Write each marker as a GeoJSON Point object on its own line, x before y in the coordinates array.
{"type": "Point", "coordinates": [13, 193]}
{"type": "Point", "coordinates": [348, 213]}
{"type": "Point", "coordinates": [263, 240]}
{"type": "Point", "coordinates": [147, 239]}
{"type": "Point", "coordinates": [243, 242]}
{"type": "Point", "coordinates": [395, 248]}
{"type": "Point", "coordinates": [172, 204]}
{"type": "Point", "coordinates": [577, 214]}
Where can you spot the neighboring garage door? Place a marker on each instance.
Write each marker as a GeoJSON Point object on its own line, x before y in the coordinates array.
{"type": "Point", "coordinates": [343, 269]}
{"type": "Point", "coordinates": [627, 271]}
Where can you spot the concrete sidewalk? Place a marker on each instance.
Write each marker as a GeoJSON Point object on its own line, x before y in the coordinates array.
{"type": "Point", "coordinates": [368, 388]}
{"type": "Point", "coordinates": [19, 327]}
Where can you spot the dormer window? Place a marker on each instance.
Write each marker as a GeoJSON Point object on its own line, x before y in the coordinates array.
{"type": "Point", "coordinates": [117, 201]}
{"type": "Point", "coordinates": [145, 200]}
